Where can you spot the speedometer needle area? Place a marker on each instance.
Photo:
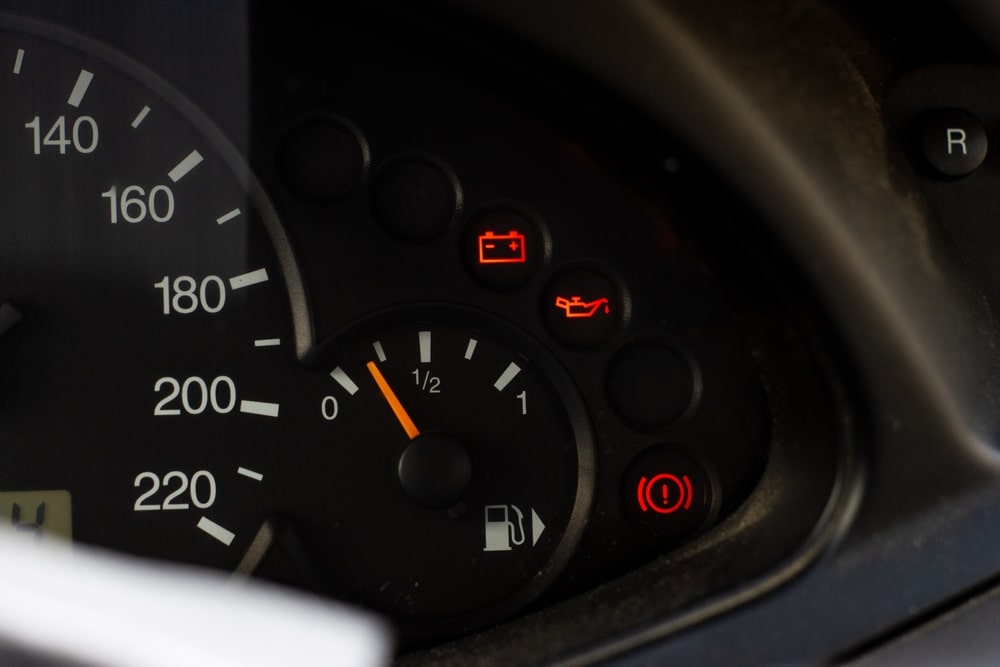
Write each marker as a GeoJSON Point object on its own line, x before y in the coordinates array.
{"type": "Point", "coordinates": [411, 429]}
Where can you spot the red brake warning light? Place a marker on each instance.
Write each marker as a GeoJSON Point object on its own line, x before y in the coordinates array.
{"type": "Point", "coordinates": [665, 493]}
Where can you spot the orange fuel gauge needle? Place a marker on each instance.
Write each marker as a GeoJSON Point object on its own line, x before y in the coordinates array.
{"type": "Point", "coordinates": [390, 397]}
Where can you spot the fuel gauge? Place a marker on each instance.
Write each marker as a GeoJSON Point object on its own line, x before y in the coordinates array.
{"type": "Point", "coordinates": [456, 462]}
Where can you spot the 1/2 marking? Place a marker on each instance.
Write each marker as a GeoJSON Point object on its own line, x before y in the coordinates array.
{"type": "Point", "coordinates": [215, 530]}
{"type": "Point", "coordinates": [248, 279]}
{"type": "Point", "coordinates": [252, 474]}
{"type": "Point", "coordinates": [261, 408]}
{"type": "Point", "coordinates": [18, 61]}
{"type": "Point", "coordinates": [80, 88]}
{"type": "Point", "coordinates": [226, 217]}
{"type": "Point", "coordinates": [425, 346]}
{"type": "Point", "coordinates": [184, 167]}
{"type": "Point", "coordinates": [141, 116]}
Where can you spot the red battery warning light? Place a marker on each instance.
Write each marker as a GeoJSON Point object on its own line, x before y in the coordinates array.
{"type": "Point", "coordinates": [665, 493]}
{"type": "Point", "coordinates": [502, 248]}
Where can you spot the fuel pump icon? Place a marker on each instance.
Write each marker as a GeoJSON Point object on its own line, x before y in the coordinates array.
{"type": "Point", "coordinates": [501, 533]}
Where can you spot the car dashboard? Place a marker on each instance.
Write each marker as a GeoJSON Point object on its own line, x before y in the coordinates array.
{"type": "Point", "coordinates": [551, 333]}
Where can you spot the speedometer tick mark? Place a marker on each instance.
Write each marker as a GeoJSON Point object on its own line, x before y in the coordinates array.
{"type": "Point", "coordinates": [252, 474]}
{"type": "Point", "coordinates": [379, 351]}
{"type": "Point", "coordinates": [471, 348]}
{"type": "Point", "coordinates": [248, 279]}
{"type": "Point", "coordinates": [193, 159]}
{"type": "Point", "coordinates": [261, 408]}
{"type": "Point", "coordinates": [141, 116]}
{"type": "Point", "coordinates": [226, 217]}
{"type": "Point", "coordinates": [18, 61]}
{"type": "Point", "coordinates": [80, 88]}
{"type": "Point", "coordinates": [267, 342]}
{"type": "Point", "coordinates": [215, 530]}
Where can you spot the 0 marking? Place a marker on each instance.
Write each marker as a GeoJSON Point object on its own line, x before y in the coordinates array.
{"type": "Point", "coordinates": [193, 159]}
{"type": "Point", "coordinates": [344, 380]}
{"type": "Point", "coordinates": [248, 279]}
{"type": "Point", "coordinates": [261, 408]}
{"type": "Point", "coordinates": [216, 531]}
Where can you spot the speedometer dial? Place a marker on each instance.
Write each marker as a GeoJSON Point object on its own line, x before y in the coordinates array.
{"type": "Point", "coordinates": [145, 307]}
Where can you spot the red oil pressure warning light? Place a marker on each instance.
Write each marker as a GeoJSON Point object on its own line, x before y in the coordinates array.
{"type": "Point", "coordinates": [504, 246]}
{"type": "Point", "coordinates": [575, 307]}
{"type": "Point", "coordinates": [667, 493]}
{"type": "Point", "coordinates": [582, 307]}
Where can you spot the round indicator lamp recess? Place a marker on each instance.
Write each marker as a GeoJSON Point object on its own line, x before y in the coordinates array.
{"type": "Point", "coordinates": [652, 385]}
{"type": "Point", "coordinates": [415, 197]}
{"type": "Point", "coordinates": [504, 247]}
{"type": "Point", "coordinates": [582, 307]}
{"type": "Point", "coordinates": [668, 494]}
{"type": "Point", "coordinates": [322, 158]}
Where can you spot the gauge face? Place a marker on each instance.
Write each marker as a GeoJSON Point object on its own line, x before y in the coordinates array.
{"type": "Point", "coordinates": [150, 311]}
{"type": "Point", "coordinates": [455, 458]}
{"type": "Point", "coordinates": [434, 457]}
{"type": "Point", "coordinates": [438, 464]}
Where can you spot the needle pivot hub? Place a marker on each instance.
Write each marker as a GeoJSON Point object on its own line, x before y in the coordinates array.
{"type": "Point", "coordinates": [435, 470]}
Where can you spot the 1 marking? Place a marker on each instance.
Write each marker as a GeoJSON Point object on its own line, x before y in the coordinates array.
{"type": "Point", "coordinates": [379, 352]}
{"type": "Point", "coordinates": [223, 219]}
{"type": "Point", "coordinates": [425, 347]}
{"type": "Point", "coordinates": [248, 279]}
{"type": "Point", "coordinates": [193, 159]}
{"type": "Point", "coordinates": [471, 349]}
{"type": "Point", "coordinates": [18, 61]}
{"type": "Point", "coordinates": [344, 380]}
{"type": "Point", "coordinates": [267, 342]}
{"type": "Point", "coordinates": [216, 531]}
{"type": "Point", "coordinates": [259, 408]}
{"type": "Point", "coordinates": [252, 474]}
{"type": "Point", "coordinates": [80, 88]}
{"type": "Point", "coordinates": [507, 376]}
{"type": "Point", "coordinates": [141, 116]}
